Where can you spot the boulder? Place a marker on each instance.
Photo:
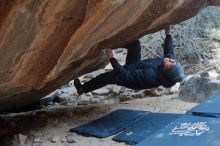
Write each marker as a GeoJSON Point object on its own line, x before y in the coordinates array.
{"type": "Point", "coordinates": [46, 43]}
{"type": "Point", "coordinates": [197, 88]}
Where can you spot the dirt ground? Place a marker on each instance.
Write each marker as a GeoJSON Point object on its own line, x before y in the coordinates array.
{"type": "Point", "coordinates": [42, 125]}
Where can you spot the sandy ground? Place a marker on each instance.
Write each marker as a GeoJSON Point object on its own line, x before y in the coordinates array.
{"type": "Point", "coordinates": [60, 127]}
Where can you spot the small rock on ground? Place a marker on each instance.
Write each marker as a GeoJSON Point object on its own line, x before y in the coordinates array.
{"type": "Point", "coordinates": [55, 139]}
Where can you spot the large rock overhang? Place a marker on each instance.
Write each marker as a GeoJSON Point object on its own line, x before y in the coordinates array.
{"type": "Point", "coordinates": [46, 43]}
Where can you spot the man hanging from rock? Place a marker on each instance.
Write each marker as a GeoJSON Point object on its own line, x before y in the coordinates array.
{"type": "Point", "coordinates": [138, 74]}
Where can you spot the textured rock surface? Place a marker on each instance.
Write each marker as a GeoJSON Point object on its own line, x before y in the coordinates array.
{"type": "Point", "coordinates": [45, 43]}
{"type": "Point", "coordinates": [198, 87]}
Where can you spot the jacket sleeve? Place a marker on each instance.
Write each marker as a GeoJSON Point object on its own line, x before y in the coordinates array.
{"type": "Point", "coordinates": [116, 66]}
{"type": "Point", "coordinates": [168, 48]}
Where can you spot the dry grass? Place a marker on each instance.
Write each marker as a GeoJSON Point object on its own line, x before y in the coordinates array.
{"type": "Point", "coordinates": [194, 39]}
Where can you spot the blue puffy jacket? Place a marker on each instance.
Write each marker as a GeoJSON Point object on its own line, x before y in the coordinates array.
{"type": "Point", "coordinates": [144, 74]}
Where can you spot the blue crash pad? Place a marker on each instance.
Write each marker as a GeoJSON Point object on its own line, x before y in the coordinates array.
{"type": "Point", "coordinates": [110, 124]}
{"type": "Point", "coordinates": [208, 108]}
{"type": "Point", "coordinates": [145, 127]}
{"type": "Point", "coordinates": [187, 131]}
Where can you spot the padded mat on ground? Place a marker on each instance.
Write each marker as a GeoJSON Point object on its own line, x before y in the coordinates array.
{"type": "Point", "coordinates": [145, 127]}
{"type": "Point", "coordinates": [110, 124]}
{"type": "Point", "coordinates": [208, 108]}
{"type": "Point", "coordinates": [187, 131]}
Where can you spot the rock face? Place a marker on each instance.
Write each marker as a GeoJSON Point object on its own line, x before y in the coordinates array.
{"type": "Point", "coordinates": [45, 43]}
{"type": "Point", "coordinates": [198, 87]}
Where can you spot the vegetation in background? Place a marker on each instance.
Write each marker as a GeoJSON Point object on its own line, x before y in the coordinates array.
{"type": "Point", "coordinates": [194, 40]}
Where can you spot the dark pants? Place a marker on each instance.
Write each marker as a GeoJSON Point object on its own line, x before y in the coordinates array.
{"type": "Point", "coordinates": [133, 55]}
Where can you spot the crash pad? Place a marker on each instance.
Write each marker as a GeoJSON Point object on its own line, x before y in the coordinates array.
{"type": "Point", "coordinates": [146, 126]}
{"type": "Point", "coordinates": [110, 124]}
{"type": "Point", "coordinates": [187, 130]}
{"type": "Point", "coordinates": [209, 108]}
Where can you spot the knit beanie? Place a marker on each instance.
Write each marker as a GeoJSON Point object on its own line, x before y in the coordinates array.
{"type": "Point", "coordinates": [175, 73]}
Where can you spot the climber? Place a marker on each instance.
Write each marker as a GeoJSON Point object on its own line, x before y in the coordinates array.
{"type": "Point", "coordinates": [136, 73]}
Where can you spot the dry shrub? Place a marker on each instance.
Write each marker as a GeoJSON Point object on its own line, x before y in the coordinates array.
{"type": "Point", "coordinates": [193, 39]}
